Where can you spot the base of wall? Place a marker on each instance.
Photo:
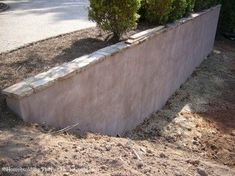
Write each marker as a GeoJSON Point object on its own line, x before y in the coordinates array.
{"type": "Point", "coordinates": [114, 89]}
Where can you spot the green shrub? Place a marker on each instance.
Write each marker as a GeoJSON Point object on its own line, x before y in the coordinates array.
{"type": "Point", "coordinates": [178, 9]}
{"type": "Point", "coordinates": [190, 6]}
{"type": "Point", "coordinates": [204, 4]}
{"type": "Point", "coordinates": [117, 16]}
{"type": "Point", "coordinates": [142, 11]}
{"type": "Point", "coordinates": [156, 11]}
{"type": "Point", "coordinates": [227, 16]}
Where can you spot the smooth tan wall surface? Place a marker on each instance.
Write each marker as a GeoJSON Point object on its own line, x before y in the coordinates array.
{"type": "Point", "coordinates": [118, 93]}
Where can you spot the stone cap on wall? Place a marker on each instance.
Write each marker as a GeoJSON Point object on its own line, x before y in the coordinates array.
{"type": "Point", "coordinates": [46, 79]}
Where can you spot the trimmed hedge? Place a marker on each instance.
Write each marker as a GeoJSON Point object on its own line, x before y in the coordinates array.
{"type": "Point", "coordinates": [117, 16]}
{"type": "Point", "coordinates": [204, 4]}
{"type": "Point", "coordinates": [227, 16]}
{"type": "Point", "coordinates": [162, 11]}
{"type": "Point", "coordinates": [178, 9]}
{"type": "Point", "coordinates": [190, 6]}
{"type": "Point", "coordinates": [156, 11]}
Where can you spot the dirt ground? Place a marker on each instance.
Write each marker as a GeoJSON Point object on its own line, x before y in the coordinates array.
{"type": "Point", "coordinates": [41, 56]}
{"type": "Point", "coordinates": [194, 133]}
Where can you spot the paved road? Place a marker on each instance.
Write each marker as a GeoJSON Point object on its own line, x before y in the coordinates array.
{"type": "Point", "coordinates": [31, 20]}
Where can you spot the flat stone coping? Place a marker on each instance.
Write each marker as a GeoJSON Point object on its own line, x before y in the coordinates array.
{"type": "Point", "coordinates": [46, 79]}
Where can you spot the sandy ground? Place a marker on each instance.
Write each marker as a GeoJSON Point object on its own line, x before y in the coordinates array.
{"type": "Point", "coordinates": [194, 134]}
{"type": "Point", "coordinates": [29, 21]}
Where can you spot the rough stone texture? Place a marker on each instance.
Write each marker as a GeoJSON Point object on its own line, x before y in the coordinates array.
{"type": "Point", "coordinates": [20, 90]}
{"type": "Point", "coordinates": [118, 92]}
{"type": "Point", "coordinates": [144, 35]}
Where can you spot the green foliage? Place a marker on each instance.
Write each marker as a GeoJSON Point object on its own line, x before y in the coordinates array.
{"type": "Point", "coordinates": [190, 6]}
{"type": "Point", "coordinates": [227, 16]}
{"type": "Point", "coordinates": [178, 9]}
{"type": "Point", "coordinates": [120, 16]}
{"type": "Point", "coordinates": [204, 4]}
{"type": "Point", "coordinates": [117, 16]}
{"type": "Point", "coordinates": [156, 11]}
{"type": "Point", "coordinates": [162, 11]}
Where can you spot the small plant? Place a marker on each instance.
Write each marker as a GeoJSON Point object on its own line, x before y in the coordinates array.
{"type": "Point", "coordinates": [117, 16]}
{"type": "Point", "coordinates": [156, 11]}
{"type": "Point", "coordinates": [178, 9]}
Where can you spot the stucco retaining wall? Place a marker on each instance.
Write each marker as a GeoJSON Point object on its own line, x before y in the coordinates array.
{"type": "Point", "coordinates": [116, 88]}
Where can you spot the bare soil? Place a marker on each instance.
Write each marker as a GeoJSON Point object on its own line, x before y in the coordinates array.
{"type": "Point", "coordinates": [193, 134]}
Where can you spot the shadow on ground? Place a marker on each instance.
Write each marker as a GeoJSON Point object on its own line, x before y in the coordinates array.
{"type": "Point", "coordinates": [198, 118]}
